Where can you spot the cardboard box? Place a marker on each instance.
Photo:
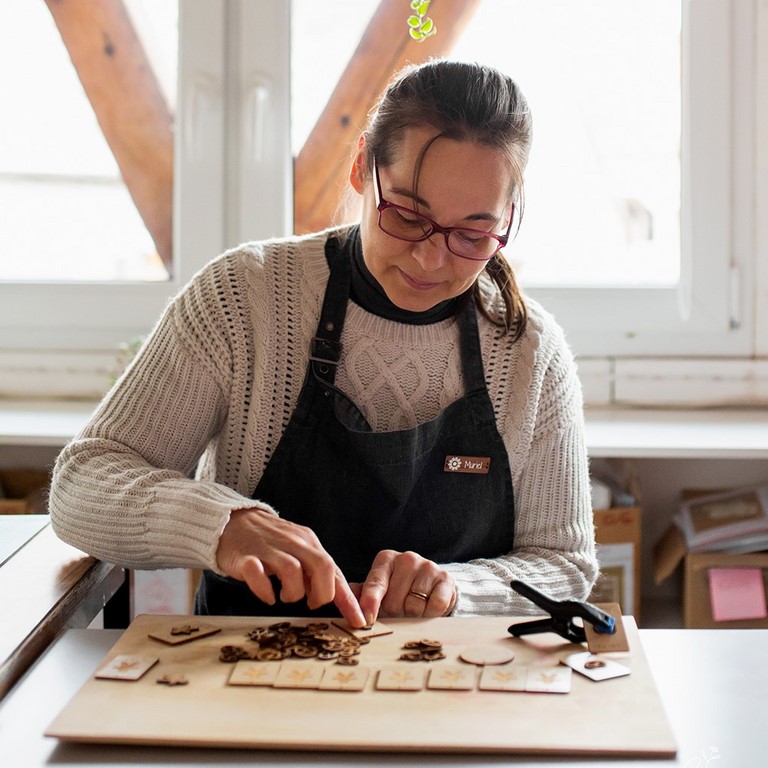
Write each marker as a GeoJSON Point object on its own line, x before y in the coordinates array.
{"type": "Point", "coordinates": [24, 491]}
{"type": "Point", "coordinates": [618, 539]}
{"type": "Point", "coordinates": [671, 550]}
{"type": "Point", "coordinates": [725, 521]}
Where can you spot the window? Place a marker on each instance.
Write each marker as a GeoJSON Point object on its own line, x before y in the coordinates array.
{"type": "Point", "coordinates": [640, 233]}
{"type": "Point", "coordinates": [603, 183]}
{"type": "Point", "coordinates": [61, 190]}
{"type": "Point", "coordinates": [80, 269]}
{"type": "Point", "coordinates": [627, 234]}
{"type": "Point", "coordinates": [605, 162]}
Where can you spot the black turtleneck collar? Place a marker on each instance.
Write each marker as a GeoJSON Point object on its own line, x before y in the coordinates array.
{"type": "Point", "coordinates": [367, 292]}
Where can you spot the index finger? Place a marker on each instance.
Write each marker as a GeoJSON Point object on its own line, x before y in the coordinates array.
{"type": "Point", "coordinates": [376, 585]}
{"type": "Point", "coordinates": [345, 600]}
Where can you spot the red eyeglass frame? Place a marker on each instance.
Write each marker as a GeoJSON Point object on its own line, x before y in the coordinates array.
{"type": "Point", "coordinates": [383, 204]}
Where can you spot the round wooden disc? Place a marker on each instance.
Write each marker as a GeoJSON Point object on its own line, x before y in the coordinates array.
{"type": "Point", "coordinates": [485, 655]}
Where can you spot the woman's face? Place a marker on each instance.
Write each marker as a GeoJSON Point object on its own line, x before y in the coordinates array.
{"type": "Point", "coordinates": [461, 184]}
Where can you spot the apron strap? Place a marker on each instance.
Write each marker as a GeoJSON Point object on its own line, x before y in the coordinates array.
{"type": "Point", "coordinates": [325, 349]}
{"type": "Point", "coordinates": [471, 354]}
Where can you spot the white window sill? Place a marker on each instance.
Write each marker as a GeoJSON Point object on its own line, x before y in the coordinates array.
{"type": "Point", "coordinates": [610, 432]}
{"type": "Point", "coordinates": [715, 433]}
{"type": "Point", "coordinates": [41, 423]}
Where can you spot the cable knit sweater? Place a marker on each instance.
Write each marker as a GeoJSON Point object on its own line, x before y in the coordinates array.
{"type": "Point", "coordinates": [183, 437]}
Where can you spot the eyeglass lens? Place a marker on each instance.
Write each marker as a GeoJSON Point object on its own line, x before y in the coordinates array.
{"type": "Point", "coordinates": [412, 226]}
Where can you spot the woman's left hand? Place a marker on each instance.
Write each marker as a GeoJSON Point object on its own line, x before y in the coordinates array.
{"type": "Point", "coordinates": [405, 584]}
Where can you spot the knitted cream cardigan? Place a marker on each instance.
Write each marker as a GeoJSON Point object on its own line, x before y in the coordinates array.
{"type": "Point", "coordinates": [183, 437]}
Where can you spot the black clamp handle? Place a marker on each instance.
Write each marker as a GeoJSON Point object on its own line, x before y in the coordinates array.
{"type": "Point", "coordinates": [561, 616]}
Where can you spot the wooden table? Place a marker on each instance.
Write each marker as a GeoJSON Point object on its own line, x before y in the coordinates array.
{"type": "Point", "coordinates": [46, 586]}
{"type": "Point", "coordinates": [712, 684]}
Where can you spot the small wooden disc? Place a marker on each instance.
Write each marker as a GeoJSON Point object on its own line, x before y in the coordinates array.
{"type": "Point", "coordinates": [487, 655]}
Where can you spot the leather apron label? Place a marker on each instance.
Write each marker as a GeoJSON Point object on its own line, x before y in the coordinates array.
{"type": "Point", "coordinates": [476, 465]}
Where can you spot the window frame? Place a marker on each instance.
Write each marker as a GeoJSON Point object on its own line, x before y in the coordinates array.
{"type": "Point", "coordinates": [95, 316]}
{"type": "Point", "coordinates": [234, 182]}
{"type": "Point", "coordinates": [709, 312]}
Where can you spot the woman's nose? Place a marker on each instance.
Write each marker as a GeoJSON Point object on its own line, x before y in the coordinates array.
{"type": "Point", "coordinates": [432, 254]}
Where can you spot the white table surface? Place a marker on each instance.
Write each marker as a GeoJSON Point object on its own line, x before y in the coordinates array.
{"type": "Point", "coordinates": [713, 683]}
{"type": "Point", "coordinates": [17, 530]}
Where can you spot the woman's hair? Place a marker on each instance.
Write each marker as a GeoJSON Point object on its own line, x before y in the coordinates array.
{"type": "Point", "coordinates": [463, 102]}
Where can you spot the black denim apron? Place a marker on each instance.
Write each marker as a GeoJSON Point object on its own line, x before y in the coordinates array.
{"type": "Point", "coordinates": [442, 489]}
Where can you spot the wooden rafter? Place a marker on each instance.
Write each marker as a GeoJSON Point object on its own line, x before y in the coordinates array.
{"type": "Point", "coordinates": [137, 122]}
{"type": "Point", "coordinates": [128, 102]}
{"type": "Point", "coordinates": [322, 165]}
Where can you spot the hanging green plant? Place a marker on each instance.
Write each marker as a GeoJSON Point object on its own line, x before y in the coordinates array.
{"type": "Point", "coordinates": [420, 27]}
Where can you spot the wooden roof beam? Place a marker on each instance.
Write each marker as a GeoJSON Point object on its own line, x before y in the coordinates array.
{"type": "Point", "coordinates": [129, 105]}
{"type": "Point", "coordinates": [322, 166]}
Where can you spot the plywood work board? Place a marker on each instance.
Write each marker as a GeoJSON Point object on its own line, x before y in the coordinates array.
{"type": "Point", "coordinates": [623, 716]}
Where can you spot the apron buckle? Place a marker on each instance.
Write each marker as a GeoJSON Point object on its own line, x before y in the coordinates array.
{"type": "Point", "coordinates": [325, 351]}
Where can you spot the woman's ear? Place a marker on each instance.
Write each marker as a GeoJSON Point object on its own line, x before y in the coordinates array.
{"type": "Point", "coordinates": [359, 171]}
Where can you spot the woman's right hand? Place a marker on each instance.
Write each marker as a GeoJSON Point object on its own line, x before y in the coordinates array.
{"type": "Point", "coordinates": [257, 544]}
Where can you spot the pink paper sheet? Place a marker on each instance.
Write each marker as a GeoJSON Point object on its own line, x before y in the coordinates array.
{"type": "Point", "coordinates": [737, 594]}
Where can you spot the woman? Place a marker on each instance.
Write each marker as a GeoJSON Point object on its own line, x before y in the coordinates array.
{"type": "Point", "coordinates": [379, 423]}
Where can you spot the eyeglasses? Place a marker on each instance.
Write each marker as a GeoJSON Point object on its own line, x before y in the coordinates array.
{"type": "Point", "coordinates": [413, 227]}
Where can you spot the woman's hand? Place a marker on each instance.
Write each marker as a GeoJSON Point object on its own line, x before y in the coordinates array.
{"type": "Point", "coordinates": [257, 544]}
{"type": "Point", "coordinates": [405, 584]}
